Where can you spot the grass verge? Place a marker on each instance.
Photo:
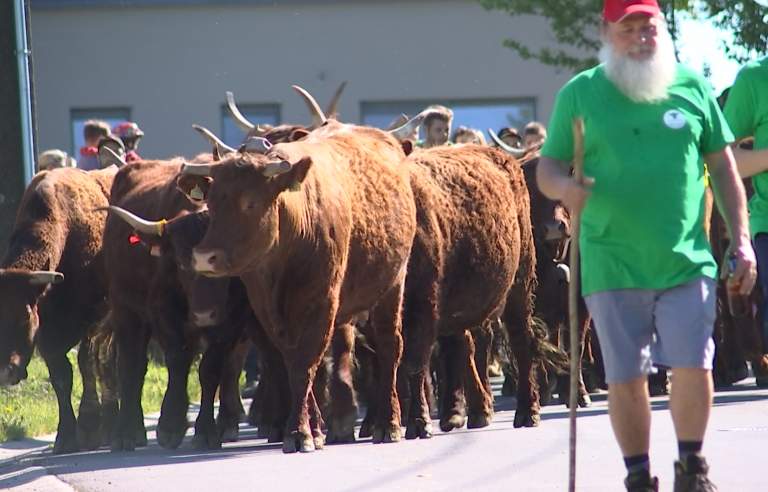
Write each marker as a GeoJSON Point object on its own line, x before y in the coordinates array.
{"type": "Point", "coordinates": [30, 409]}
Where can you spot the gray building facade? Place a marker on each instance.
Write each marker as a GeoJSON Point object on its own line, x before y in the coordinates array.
{"type": "Point", "coordinates": [166, 64]}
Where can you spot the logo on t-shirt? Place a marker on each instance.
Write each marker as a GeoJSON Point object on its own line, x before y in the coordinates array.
{"type": "Point", "coordinates": [674, 119]}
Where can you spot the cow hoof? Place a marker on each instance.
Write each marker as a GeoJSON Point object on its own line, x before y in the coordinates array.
{"type": "Point", "coordinates": [89, 439]}
{"type": "Point", "coordinates": [479, 420]}
{"type": "Point", "coordinates": [204, 440]}
{"type": "Point", "coordinates": [341, 430]}
{"type": "Point", "coordinates": [320, 441]}
{"type": "Point", "coordinates": [296, 441]}
{"type": "Point", "coordinates": [366, 430]}
{"type": "Point", "coordinates": [454, 422]}
{"type": "Point", "coordinates": [418, 428]}
{"type": "Point", "coordinates": [229, 433]}
{"type": "Point", "coordinates": [526, 418]}
{"type": "Point", "coordinates": [585, 401]}
{"type": "Point", "coordinates": [66, 445]}
{"type": "Point", "coordinates": [170, 440]}
{"type": "Point", "coordinates": [386, 433]}
{"type": "Point", "coordinates": [761, 382]}
{"type": "Point", "coordinates": [275, 434]}
{"type": "Point", "coordinates": [119, 445]}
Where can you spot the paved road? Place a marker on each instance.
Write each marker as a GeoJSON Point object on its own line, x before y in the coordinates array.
{"type": "Point", "coordinates": [495, 458]}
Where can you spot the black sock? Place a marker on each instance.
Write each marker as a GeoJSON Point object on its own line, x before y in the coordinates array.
{"type": "Point", "coordinates": [688, 448]}
{"type": "Point", "coordinates": [637, 464]}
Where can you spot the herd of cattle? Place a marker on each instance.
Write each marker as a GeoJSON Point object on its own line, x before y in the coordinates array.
{"type": "Point", "coordinates": [360, 267]}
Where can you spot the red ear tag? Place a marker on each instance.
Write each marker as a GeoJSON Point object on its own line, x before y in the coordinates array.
{"type": "Point", "coordinates": [134, 239]}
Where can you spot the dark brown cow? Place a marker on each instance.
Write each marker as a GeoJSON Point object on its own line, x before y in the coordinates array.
{"type": "Point", "coordinates": [551, 233]}
{"type": "Point", "coordinates": [319, 230]}
{"type": "Point", "coordinates": [53, 291]}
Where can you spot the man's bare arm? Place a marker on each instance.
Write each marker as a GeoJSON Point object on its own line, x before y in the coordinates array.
{"type": "Point", "coordinates": [556, 182]}
{"type": "Point", "coordinates": [732, 204]}
{"type": "Point", "coordinates": [750, 162]}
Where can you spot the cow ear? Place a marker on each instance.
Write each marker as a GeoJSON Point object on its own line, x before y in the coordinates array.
{"type": "Point", "coordinates": [195, 187]}
{"type": "Point", "coordinates": [300, 169]}
{"type": "Point", "coordinates": [407, 146]}
{"type": "Point", "coordinates": [297, 135]}
{"type": "Point", "coordinates": [154, 244]}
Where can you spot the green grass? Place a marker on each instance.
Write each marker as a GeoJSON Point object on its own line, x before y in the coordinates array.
{"type": "Point", "coordinates": [30, 409]}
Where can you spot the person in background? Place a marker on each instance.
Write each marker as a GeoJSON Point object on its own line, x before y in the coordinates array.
{"type": "Point", "coordinates": [509, 136]}
{"type": "Point", "coordinates": [129, 133]}
{"type": "Point", "coordinates": [53, 159]}
{"type": "Point", "coordinates": [93, 130]}
{"type": "Point", "coordinates": [534, 135]}
{"type": "Point", "coordinates": [466, 135]}
{"type": "Point", "coordinates": [437, 126]}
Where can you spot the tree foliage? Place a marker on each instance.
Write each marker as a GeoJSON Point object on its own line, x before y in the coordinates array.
{"type": "Point", "coordinates": [575, 24]}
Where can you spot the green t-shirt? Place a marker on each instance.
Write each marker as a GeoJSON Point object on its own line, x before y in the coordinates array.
{"type": "Point", "coordinates": [747, 114]}
{"type": "Point", "coordinates": [643, 226]}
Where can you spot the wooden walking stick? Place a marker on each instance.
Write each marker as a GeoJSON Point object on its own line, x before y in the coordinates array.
{"type": "Point", "coordinates": [573, 301]}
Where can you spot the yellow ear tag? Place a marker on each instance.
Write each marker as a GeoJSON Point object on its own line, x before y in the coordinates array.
{"type": "Point", "coordinates": [295, 186]}
{"type": "Point", "coordinates": [196, 193]}
{"type": "Point", "coordinates": [161, 227]}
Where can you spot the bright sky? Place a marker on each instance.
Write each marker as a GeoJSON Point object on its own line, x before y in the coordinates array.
{"type": "Point", "coordinates": [701, 42]}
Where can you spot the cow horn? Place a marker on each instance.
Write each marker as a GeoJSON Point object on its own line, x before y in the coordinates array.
{"type": "Point", "coordinates": [244, 125]}
{"type": "Point", "coordinates": [564, 272]}
{"type": "Point", "coordinates": [108, 156]}
{"type": "Point", "coordinates": [275, 168]}
{"type": "Point", "coordinates": [213, 139]}
{"type": "Point", "coordinates": [196, 169]}
{"type": "Point", "coordinates": [317, 114]}
{"type": "Point", "coordinates": [141, 225]}
{"type": "Point", "coordinates": [516, 153]}
{"type": "Point", "coordinates": [255, 145]}
{"type": "Point", "coordinates": [43, 277]}
{"type": "Point", "coordinates": [334, 104]}
{"type": "Point", "coordinates": [409, 127]}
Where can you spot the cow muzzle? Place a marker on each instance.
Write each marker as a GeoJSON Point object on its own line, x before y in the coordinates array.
{"type": "Point", "coordinates": [209, 261]}
{"type": "Point", "coordinates": [11, 375]}
{"type": "Point", "coordinates": [554, 231]}
{"type": "Point", "coordinates": [205, 319]}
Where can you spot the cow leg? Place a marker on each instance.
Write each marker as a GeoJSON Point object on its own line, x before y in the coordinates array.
{"type": "Point", "coordinates": [179, 352]}
{"type": "Point", "coordinates": [387, 324]}
{"type": "Point", "coordinates": [316, 422]}
{"type": "Point", "coordinates": [372, 400]}
{"type": "Point", "coordinates": [564, 381]}
{"type": "Point", "coordinates": [343, 411]}
{"type": "Point", "coordinates": [231, 411]}
{"type": "Point", "coordinates": [477, 385]}
{"type": "Point", "coordinates": [211, 369]}
{"type": "Point", "coordinates": [298, 436]}
{"type": "Point", "coordinates": [453, 355]}
{"type": "Point", "coordinates": [89, 423]}
{"type": "Point", "coordinates": [517, 319]}
{"type": "Point", "coordinates": [131, 339]}
{"type": "Point", "coordinates": [60, 372]}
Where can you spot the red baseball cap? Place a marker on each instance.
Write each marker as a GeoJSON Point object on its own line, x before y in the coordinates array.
{"type": "Point", "coordinates": [615, 10]}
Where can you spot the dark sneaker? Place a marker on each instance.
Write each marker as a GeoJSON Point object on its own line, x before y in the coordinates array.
{"type": "Point", "coordinates": [691, 475]}
{"type": "Point", "coordinates": [641, 482]}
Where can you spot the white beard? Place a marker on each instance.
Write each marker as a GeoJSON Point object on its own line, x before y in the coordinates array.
{"type": "Point", "coordinates": [646, 80]}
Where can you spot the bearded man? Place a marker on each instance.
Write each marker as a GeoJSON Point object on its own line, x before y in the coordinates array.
{"type": "Point", "coordinates": [647, 269]}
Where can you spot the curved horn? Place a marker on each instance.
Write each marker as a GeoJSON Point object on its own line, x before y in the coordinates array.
{"type": "Point", "coordinates": [108, 156]}
{"type": "Point", "coordinates": [43, 277]}
{"type": "Point", "coordinates": [213, 139]}
{"type": "Point", "coordinates": [334, 104]}
{"type": "Point", "coordinates": [407, 129]}
{"type": "Point", "coordinates": [317, 114]}
{"type": "Point", "coordinates": [244, 125]}
{"type": "Point", "coordinates": [141, 225]}
{"type": "Point", "coordinates": [197, 169]}
{"type": "Point", "coordinates": [564, 272]}
{"type": "Point", "coordinates": [275, 168]}
{"type": "Point", "coordinates": [516, 153]}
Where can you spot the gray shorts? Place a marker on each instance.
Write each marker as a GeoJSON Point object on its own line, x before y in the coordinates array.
{"type": "Point", "coordinates": [638, 328]}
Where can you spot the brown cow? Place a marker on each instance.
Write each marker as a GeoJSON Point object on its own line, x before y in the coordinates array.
{"type": "Point", "coordinates": [319, 230]}
{"type": "Point", "coordinates": [53, 291]}
{"type": "Point", "coordinates": [468, 262]}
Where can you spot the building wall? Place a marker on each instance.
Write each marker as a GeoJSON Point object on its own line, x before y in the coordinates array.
{"type": "Point", "coordinates": [171, 65]}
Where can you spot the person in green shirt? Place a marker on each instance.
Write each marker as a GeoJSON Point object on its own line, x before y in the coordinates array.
{"type": "Point", "coordinates": [647, 268]}
{"type": "Point", "coordinates": [746, 111]}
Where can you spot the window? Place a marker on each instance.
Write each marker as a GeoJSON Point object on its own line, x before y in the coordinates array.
{"type": "Point", "coordinates": [78, 117]}
{"type": "Point", "coordinates": [258, 114]}
{"type": "Point", "coordinates": [477, 114]}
